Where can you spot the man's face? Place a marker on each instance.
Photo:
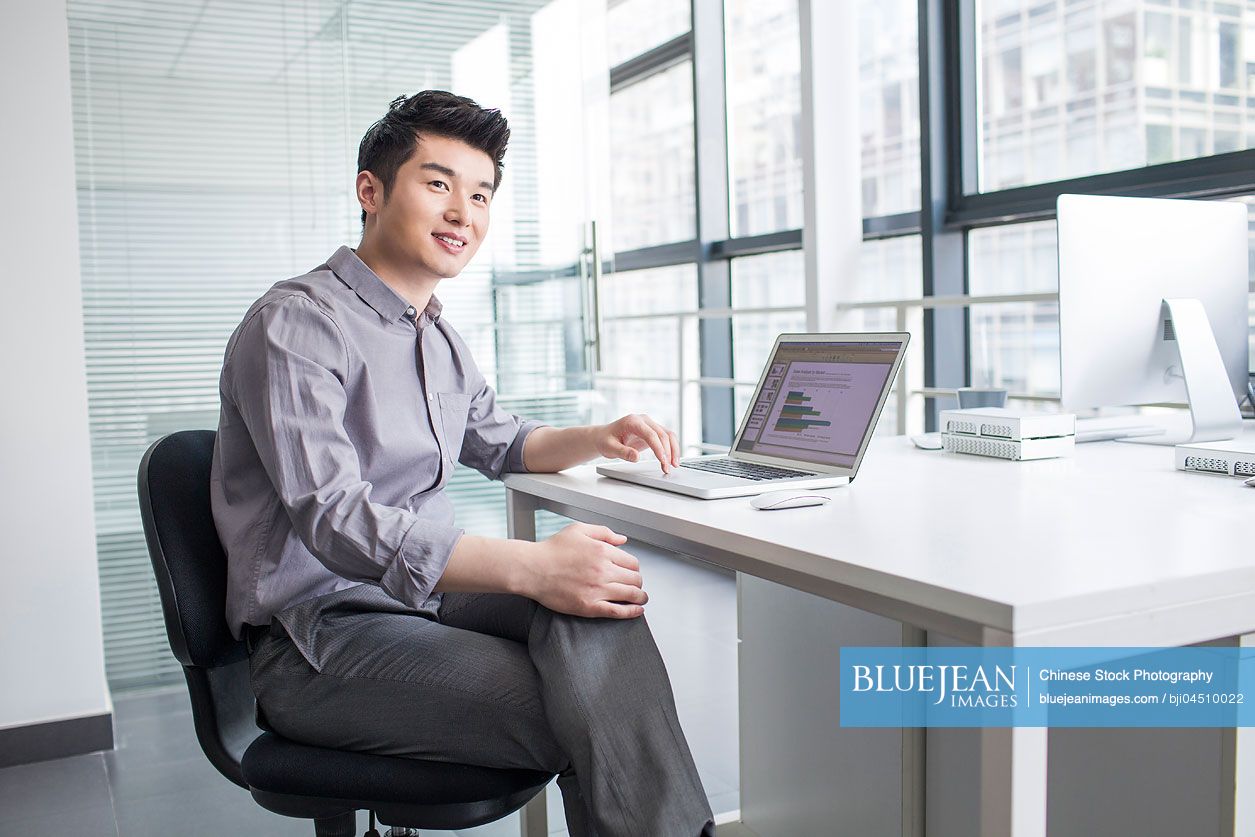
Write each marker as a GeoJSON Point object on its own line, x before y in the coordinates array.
{"type": "Point", "coordinates": [435, 215]}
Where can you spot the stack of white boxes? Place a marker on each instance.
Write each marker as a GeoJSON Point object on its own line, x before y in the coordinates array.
{"type": "Point", "coordinates": [1008, 434]}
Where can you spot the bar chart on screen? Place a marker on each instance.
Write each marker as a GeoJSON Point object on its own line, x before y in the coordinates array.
{"type": "Point", "coordinates": [823, 405]}
{"type": "Point", "coordinates": [798, 414]}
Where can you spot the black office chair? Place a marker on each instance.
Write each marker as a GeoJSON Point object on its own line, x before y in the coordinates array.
{"type": "Point", "coordinates": [327, 786]}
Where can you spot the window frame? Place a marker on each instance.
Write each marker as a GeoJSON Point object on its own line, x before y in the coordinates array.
{"type": "Point", "coordinates": [951, 205]}
{"type": "Point", "coordinates": [713, 248]}
{"type": "Point", "coordinates": [948, 53]}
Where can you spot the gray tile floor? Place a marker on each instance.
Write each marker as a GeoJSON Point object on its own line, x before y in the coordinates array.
{"type": "Point", "coordinates": [157, 781]}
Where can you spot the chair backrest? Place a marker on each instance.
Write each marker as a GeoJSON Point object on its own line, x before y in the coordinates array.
{"type": "Point", "coordinates": [187, 557]}
{"type": "Point", "coordinates": [191, 571]}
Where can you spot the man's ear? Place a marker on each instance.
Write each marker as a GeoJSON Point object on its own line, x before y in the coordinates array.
{"type": "Point", "coordinates": [369, 192]}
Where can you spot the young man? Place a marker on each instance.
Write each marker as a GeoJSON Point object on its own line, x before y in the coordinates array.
{"type": "Point", "coordinates": [373, 622]}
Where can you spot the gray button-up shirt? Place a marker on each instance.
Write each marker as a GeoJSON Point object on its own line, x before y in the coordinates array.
{"type": "Point", "coordinates": [343, 412]}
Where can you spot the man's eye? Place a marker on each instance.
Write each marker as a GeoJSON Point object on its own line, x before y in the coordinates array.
{"type": "Point", "coordinates": [480, 198]}
{"type": "Point", "coordinates": [439, 184]}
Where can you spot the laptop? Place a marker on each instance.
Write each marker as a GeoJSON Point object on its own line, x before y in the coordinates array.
{"type": "Point", "coordinates": [808, 424]}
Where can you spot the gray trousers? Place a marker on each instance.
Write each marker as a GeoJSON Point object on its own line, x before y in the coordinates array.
{"type": "Point", "coordinates": [494, 680]}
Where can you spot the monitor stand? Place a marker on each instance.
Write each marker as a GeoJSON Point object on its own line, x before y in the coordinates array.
{"type": "Point", "coordinates": [1213, 409]}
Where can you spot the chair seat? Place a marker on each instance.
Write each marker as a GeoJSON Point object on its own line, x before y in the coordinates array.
{"type": "Point", "coordinates": [275, 765]}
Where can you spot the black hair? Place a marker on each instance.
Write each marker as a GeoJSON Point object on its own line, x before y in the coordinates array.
{"type": "Point", "coordinates": [394, 138]}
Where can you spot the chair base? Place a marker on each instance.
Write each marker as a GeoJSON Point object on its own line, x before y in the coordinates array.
{"type": "Point", "coordinates": [300, 780]}
{"type": "Point", "coordinates": [338, 825]}
{"type": "Point", "coordinates": [440, 817]}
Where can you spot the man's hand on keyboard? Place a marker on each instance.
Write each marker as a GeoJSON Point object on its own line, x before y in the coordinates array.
{"type": "Point", "coordinates": [626, 437]}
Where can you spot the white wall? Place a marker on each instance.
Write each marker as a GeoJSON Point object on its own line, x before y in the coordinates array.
{"type": "Point", "coordinates": [51, 654]}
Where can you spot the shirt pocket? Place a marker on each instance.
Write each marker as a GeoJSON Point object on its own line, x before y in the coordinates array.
{"type": "Point", "coordinates": [454, 407]}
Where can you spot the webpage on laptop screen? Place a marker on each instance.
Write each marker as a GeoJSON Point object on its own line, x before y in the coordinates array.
{"type": "Point", "coordinates": [817, 401]}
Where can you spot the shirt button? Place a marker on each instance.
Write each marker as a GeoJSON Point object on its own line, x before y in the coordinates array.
{"type": "Point", "coordinates": [410, 312]}
{"type": "Point", "coordinates": [431, 397]}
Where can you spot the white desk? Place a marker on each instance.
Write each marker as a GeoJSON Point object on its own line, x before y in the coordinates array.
{"type": "Point", "coordinates": [1110, 547]}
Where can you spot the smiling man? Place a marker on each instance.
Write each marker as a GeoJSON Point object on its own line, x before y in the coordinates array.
{"type": "Point", "coordinates": [373, 622]}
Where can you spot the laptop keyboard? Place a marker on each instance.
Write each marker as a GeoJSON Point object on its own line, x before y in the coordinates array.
{"type": "Point", "coordinates": [744, 470]}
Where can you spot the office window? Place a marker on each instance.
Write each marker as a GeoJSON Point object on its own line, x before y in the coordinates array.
{"type": "Point", "coordinates": [646, 334]}
{"type": "Point", "coordinates": [773, 280]}
{"type": "Point", "coordinates": [764, 113]}
{"type": "Point", "coordinates": [1072, 89]}
{"type": "Point", "coordinates": [215, 148]}
{"type": "Point", "coordinates": [635, 26]}
{"type": "Point", "coordinates": [891, 269]}
{"type": "Point", "coordinates": [653, 174]}
{"type": "Point", "coordinates": [531, 343]}
{"type": "Point", "coordinates": [646, 349]}
{"type": "Point", "coordinates": [657, 291]}
{"type": "Point", "coordinates": [1018, 258]}
{"type": "Point", "coordinates": [1015, 344]}
{"type": "Point", "coordinates": [649, 348]}
{"type": "Point", "coordinates": [889, 106]}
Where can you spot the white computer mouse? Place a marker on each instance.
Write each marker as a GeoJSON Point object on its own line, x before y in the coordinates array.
{"type": "Point", "coordinates": [928, 441]}
{"type": "Point", "coordinates": [773, 500]}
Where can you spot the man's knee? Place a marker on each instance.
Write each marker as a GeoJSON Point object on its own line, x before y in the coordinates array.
{"type": "Point", "coordinates": [593, 638]}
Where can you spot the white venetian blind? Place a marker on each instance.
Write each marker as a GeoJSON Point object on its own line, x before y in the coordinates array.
{"type": "Point", "coordinates": [215, 146]}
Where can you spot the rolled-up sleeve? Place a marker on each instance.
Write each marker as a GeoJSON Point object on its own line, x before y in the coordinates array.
{"type": "Point", "coordinates": [288, 367]}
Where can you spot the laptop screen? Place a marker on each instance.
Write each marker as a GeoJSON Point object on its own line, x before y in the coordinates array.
{"type": "Point", "coordinates": [818, 400]}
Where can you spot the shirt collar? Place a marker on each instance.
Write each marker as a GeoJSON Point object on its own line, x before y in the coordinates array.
{"type": "Point", "coordinates": [433, 309]}
{"type": "Point", "coordinates": [374, 291]}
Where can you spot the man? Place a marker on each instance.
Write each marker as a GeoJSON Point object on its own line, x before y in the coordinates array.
{"type": "Point", "coordinates": [373, 622]}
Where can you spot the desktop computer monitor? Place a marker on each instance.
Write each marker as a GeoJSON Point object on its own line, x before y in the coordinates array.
{"type": "Point", "coordinates": [1153, 308]}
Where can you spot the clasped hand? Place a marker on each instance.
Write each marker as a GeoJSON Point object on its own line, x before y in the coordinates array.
{"type": "Point", "coordinates": [582, 571]}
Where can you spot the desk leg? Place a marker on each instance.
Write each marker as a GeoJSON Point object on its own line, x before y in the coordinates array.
{"type": "Point", "coordinates": [1236, 762]}
{"type": "Point", "coordinates": [520, 516]}
{"type": "Point", "coordinates": [914, 757]}
{"type": "Point", "coordinates": [1012, 774]}
{"type": "Point", "coordinates": [520, 522]}
{"type": "Point", "coordinates": [1013, 782]}
{"type": "Point", "coordinates": [534, 818]}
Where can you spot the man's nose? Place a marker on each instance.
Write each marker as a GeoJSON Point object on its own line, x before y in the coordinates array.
{"type": "Point", "coordinates": [457, 212]}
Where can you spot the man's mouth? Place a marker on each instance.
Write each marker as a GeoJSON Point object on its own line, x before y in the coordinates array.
{"type": "Point", "coordinates": [453, 244]}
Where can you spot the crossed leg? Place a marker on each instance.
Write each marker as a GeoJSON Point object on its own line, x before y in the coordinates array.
{"type": "Point", "coordinates": [498, 681]}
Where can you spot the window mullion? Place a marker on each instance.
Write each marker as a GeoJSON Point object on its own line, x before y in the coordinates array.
{"type": "Point", "coordinates": [946, 353]}
{"type": "Point", "coordinates": [714, 276]}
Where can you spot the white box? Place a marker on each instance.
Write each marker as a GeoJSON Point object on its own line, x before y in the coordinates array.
{"type": "Point", "coordinates": [1014, 449]}
{"type": "Point", "coordinates": [1011, 425]}
{"type": "Point", "coordinates": [1233, 459]}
